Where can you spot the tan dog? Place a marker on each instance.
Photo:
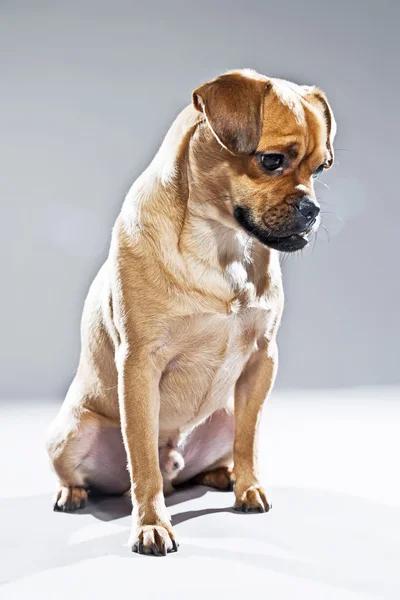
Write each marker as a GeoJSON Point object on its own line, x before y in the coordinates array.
{"type": "Point", "coordinates": [179, 326]}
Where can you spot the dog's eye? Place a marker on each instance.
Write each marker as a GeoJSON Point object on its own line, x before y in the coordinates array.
{"type": "Point", "coordinates": [272, 162]}
{"type": "Point", "coordinates": [319, 170]}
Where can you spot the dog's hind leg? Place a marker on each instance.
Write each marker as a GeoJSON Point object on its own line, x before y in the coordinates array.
{"type": "Point", "coordinates": [220, 478]}
{"type": "Point", "coordinates": [70, 498]}
{"type": "Point", "coordinates": [67, 453]}
{"type": "Point", "coordinates": [87, 452]}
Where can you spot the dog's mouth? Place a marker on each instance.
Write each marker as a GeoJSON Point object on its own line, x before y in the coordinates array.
{"type": "Point", "coordinates": [284, 243]}
{"type": "Point", "coordinates": [290, 243]}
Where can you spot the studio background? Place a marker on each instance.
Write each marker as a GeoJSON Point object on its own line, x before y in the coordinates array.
{"type": "Point", "coordinates": [88, 90]}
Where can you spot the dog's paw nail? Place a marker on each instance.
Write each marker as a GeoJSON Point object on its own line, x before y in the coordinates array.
{"type": "Point", "coordinates": [253, 500]}
{"type": "Point", "coordinates": [156, 540]}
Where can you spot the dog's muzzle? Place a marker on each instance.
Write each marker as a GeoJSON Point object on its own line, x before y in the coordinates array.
{"type": "Point", "coordinates": [305, 218]}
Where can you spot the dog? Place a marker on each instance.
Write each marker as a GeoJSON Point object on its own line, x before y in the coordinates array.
{"type": "Point", "coordinates": [179, 326]}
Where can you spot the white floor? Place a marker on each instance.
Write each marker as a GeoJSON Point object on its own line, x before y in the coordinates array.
{"type": "Point", "coordinates": [331, 467]}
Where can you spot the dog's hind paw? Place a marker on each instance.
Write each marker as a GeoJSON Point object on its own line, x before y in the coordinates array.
{"type": "Point", "coordinates": [220, 479]}
{"type": "Point", "coordinates": [69, 499]}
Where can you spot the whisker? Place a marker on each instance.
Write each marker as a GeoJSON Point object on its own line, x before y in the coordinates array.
{"type": "Point", "coordinates": [283, 258]}
{"type": "Point", "coordinates": [315, 240]}
{"type": "Point", "coordinates": [327, 232]}
{"type": "Point", "coordinates": [246, 245]}
{"type": "Point", "coordinates": [323, 183]}
{"type": "Point", "coordinates": [328, 212]}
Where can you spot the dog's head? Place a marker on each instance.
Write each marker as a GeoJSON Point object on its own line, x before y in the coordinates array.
{"type": "Point", "coordinates": [263, 142]}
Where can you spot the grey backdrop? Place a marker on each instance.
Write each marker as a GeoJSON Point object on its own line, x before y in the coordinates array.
{"type": "Point", "coordinates": [88, 89]}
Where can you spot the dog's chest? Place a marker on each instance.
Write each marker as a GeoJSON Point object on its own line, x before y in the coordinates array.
{"type": "Point", "coordinates": [208, 352]}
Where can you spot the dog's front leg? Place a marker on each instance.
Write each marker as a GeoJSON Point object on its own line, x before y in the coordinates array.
{"type": "Point", "coordinates": [251, 390]}
{"type": "Point", "coordinates": [138, 389]}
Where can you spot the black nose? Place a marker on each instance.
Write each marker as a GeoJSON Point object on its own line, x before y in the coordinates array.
{"type": "Point", "coordinates": [306, 213]}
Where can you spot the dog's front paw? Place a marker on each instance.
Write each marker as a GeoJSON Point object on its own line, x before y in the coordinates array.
{"type": "Point", "coordinates": [253, 499]}
{"type": "Point", "coordinates": [154, 539]}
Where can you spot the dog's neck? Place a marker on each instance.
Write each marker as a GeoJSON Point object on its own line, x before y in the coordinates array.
{"type": "Point", "coordinates": [209, 229]}
{"type": "Point", "coordinates": [181, 202]}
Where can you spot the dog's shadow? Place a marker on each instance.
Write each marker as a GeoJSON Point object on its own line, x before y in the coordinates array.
{"type": "Point", "coordinates": [110, 508]}
{"type": "Point", "coordinates": [328, 538]}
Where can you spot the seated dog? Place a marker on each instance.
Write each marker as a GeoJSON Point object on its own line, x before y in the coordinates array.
{"type": "Point", "coordinates": [179, 326]}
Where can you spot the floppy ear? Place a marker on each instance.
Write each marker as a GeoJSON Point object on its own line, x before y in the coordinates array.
{"type": "Point", "coordinates": [318, 98]}
{"type": "Point", "coordinates": [233, 107]}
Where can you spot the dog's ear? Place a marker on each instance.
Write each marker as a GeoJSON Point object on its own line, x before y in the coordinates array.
{"type": "Point", "coordinates": [233, 107]}
{"type": "Point", "coordinates": [318, 99]}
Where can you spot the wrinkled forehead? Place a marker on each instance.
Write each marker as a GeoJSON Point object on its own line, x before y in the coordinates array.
{"type": "Point", "coordinates": [290, 120]}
